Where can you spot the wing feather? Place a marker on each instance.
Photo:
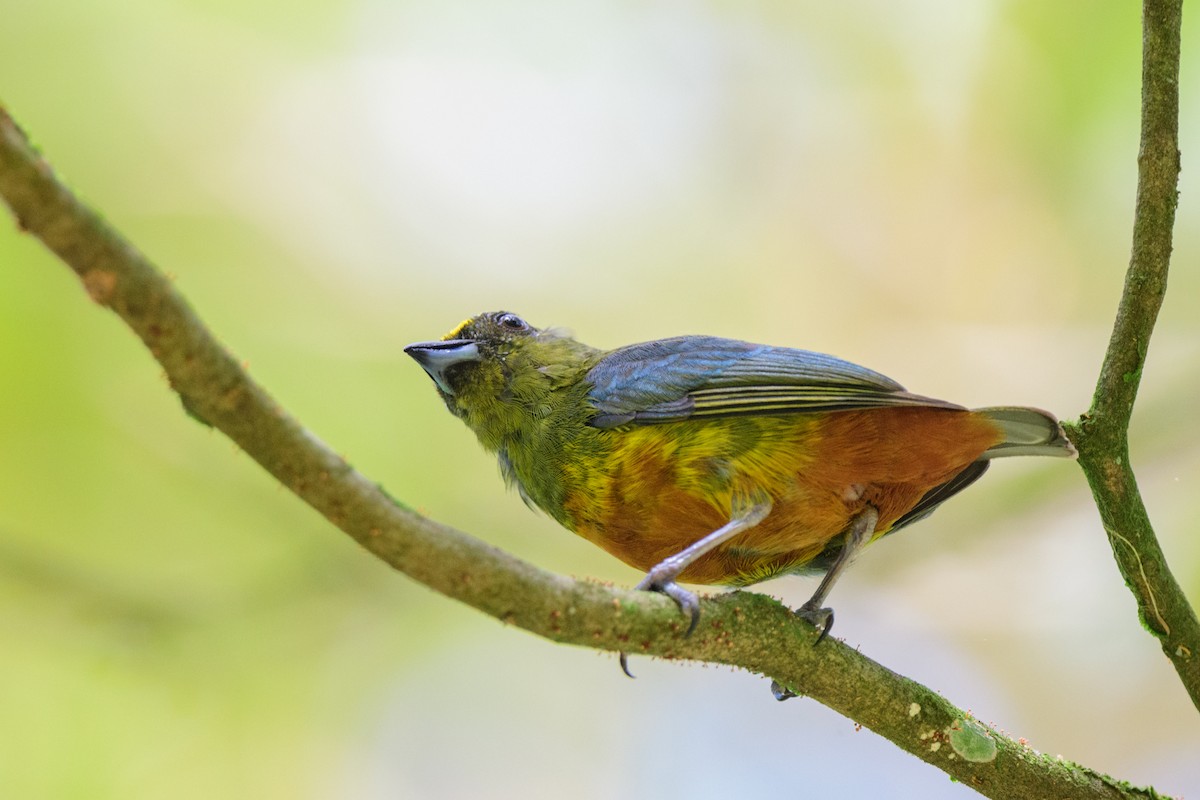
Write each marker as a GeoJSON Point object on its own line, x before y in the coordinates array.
{"type": "Point", "coordinates": [706, 376]}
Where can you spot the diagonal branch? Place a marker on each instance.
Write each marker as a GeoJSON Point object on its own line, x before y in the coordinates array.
{"type": "Point", "coordinates": [1101, 435]}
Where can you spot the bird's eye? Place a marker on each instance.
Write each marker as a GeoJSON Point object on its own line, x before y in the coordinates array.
{"type": "Point", "coordinates": [512, 322]}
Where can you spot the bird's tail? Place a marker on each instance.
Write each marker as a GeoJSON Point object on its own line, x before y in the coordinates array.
{"type": "Point", "coordinates": [1027, 432]}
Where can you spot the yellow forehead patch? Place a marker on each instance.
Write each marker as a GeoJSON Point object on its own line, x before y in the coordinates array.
{"type": "Point", "coordinates": [454, 334]}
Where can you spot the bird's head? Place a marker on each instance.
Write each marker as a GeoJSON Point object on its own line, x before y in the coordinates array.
{"type": "Point", "coordinates": [496, 371]}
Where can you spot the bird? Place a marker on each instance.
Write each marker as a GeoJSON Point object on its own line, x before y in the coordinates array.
{"type": "Point", "coordinates": [714, 461]}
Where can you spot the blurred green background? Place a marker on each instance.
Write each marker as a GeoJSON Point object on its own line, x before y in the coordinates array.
{"type": "Point", "coordinates": [942, 192]}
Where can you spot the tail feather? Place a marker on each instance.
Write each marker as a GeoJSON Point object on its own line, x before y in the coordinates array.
{"type": "Point", "coordinates": [1027, 432]}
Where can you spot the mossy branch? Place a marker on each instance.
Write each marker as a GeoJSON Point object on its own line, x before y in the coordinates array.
{"type": "Point", "coordinates": [746, 630]}
{"type": "Point", "coordinates": [1101, 434]}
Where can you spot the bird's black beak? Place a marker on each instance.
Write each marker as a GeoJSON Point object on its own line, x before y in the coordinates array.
{"type": "Point", "coordinates": [436, 357]}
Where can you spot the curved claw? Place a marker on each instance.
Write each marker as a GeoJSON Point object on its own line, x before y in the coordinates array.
{"type": "Point", "coordinates": [781, 692]}
{"type": "Point", "coordinates": [819, 618]}
{"type": "Point", "coordinates": [687, 601]}
{"type": "Point", "coordinates": [623, 658]}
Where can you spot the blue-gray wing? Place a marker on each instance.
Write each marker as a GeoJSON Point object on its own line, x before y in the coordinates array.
{"type": "Point", "coordinates": [706, 376]}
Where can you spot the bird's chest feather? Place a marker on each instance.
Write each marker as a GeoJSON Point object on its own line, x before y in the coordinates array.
{"type": "Point", "coordinates": [645, 493]}
{"type": "Point", "coordinates": [648, 492]}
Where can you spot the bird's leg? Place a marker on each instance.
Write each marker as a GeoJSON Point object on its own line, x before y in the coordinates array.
{"type": "Point", "coordinates": [814, 612]}
{"type": "Point", "coordinates": [661, 577]}
{"type": "Point", "coordinates": [862, 525]}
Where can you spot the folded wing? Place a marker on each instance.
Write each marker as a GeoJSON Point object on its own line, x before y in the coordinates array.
{"type": "Point", "coordinates": [706, 376]}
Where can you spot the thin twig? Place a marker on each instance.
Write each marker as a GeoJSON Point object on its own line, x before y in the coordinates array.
{"type": "Point", "coordinates": [1101, 435]}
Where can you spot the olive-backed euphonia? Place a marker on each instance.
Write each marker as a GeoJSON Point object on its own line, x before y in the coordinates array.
{"type": "Point", "coordinates": [714, 461]}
